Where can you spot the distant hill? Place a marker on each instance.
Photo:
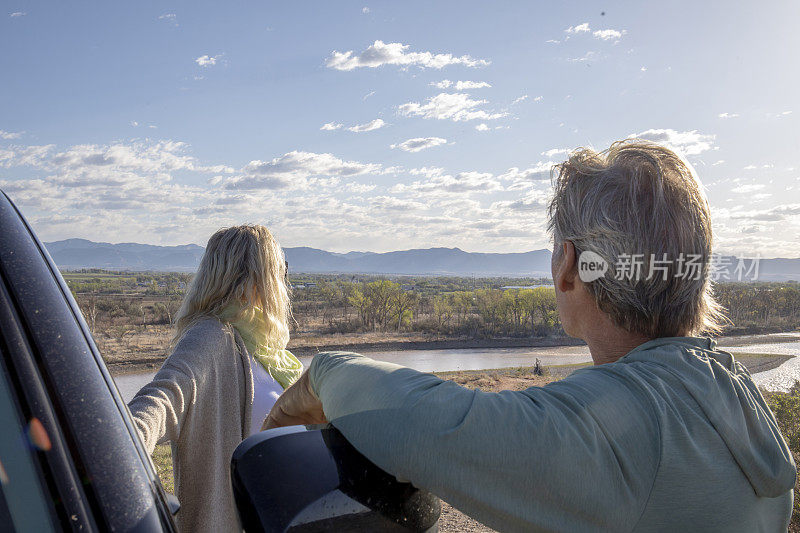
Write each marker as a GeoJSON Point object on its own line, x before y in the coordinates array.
{"type": "Point", "coordinates": [443, 261]}
{"type": "Point", "coordinates": [81, 253]}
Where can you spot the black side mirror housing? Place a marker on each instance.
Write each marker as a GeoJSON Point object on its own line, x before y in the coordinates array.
{"type": "Point", "coordinates": [302, 481]}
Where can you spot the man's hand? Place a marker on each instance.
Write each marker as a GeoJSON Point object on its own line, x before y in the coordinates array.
{"type": "Point", "coordinates": [297, 405]}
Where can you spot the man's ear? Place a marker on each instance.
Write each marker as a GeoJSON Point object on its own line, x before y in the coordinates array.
{"type": "Point", "coordinates": [566, 272]}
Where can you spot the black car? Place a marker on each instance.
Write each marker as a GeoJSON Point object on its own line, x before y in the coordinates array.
{"type": "Point", "coordinates": [71, 458]}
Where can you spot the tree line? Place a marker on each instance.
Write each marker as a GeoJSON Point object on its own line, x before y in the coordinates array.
{"type": "Point", "coordinates": [386, 305]}
{"type": "Point", "coordinates": [445, 306]}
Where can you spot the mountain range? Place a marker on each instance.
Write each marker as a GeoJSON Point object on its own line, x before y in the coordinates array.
{"type": "Point", "coordinates": [74, 254]}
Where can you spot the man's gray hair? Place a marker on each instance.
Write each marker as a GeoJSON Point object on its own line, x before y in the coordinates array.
{"type": "Point", "coordinates": [632, 203]}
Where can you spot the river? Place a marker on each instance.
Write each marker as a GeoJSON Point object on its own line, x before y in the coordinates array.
{"type": "Point", "coordinates": [779, 379]}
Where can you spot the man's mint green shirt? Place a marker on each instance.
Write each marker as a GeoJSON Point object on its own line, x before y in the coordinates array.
{"type": "Point", "coordinates": [674, 436]}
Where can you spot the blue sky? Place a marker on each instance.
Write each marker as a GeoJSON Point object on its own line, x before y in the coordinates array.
{"type": "Point", "coordinates": [159, 122]}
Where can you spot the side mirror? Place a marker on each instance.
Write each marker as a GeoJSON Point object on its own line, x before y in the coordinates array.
{"type": "Point", "coordinates": [299, 481]}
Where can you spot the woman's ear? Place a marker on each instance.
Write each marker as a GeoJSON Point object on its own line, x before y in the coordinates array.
{"type": "Point", "coordinates": [566, 271]}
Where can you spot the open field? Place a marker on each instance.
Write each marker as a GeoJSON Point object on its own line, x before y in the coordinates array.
{"type": "Point", "coordinates": [130, 313]}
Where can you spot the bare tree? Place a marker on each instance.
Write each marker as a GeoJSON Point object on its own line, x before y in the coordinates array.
{"type": "Point", "coordinates": [88, 306]}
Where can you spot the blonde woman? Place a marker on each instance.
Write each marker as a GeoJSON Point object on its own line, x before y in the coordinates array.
{"type": "Point", "coordinates": [228, 366]}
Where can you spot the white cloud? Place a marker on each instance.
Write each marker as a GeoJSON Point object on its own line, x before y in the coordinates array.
{"type": "Point", "coordinates": [19, 156]}
{"type": "Point", "coordinates": [295, 169]}
{"type": "Point", "coordinates": [523, 179]}
{"type": "Point", "coordinates": [556, 151]}
{"type": "Point", "coordinates": [16, 14]}
{"type": "Point", "coordinates": [728, 115]}
{"type": "Point", "coordinates": [520, 99]}
{"type": "Point", "coordinates": [748, 188]}
{"type": "Point", "coordinates": [604, 35]}
{"type": "Point", "coordinates": [167, 16]}
{"type": "Point", "coordinates": [365, 10]}
{"type": "Point", "coordinates": [331, 126]}
{"type": "Point", "coordinates": [447, 106]}
{"type": "Point", "coordinates": [719, 162]}
{"type": "Point", "coordinates": [208, 61]}
{"type": "Point", "coordinates": [580, 28]}
{"type": "Point", "coordinates": [369, 126]}
{"type": "Point", "coordinates": [643, 69]}
{"type": "Point", "coordinates": [380, 53]}
{"type": "Point", "coordinates": [139, 156]}
{"type": "Point", "coordinates": [92, 180]}
{"type": "Point", "coordinates": [460, 85]}
{"type": "Point", "coordinates": [609, 34]}
{"type": "Point", "coordinates": [359, 188]}
{"type": "Point", "coordinates": [772, 214]}
{"type": "Point", "coordinates": [371, 93]}
{"type": "Point", "coordinates": [482, 127]}
{"type": "Point", "coordinates": [392, 203]}
{"type": "Point", "coordinates": [688, 142]}
{"type": "Point", "coordinates": [127, 191]}
{"type": "Point", "coordinates": [7, 135]}
{"type": "Point", "coordinates": [462, 183]}
{"type": "Point", "coordinates": [419, 143]}
{"type": "Point", "coordinates": [532, 202]}
{"type": "Point", "coordinates": [591, 54]}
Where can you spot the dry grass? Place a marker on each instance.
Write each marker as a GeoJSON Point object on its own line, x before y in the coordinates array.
{"type": "Point", "coordinates": [162, 459]}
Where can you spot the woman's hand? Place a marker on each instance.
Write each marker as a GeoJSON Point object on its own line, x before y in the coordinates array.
{"type": "Point", "coordinates": [297, 405]}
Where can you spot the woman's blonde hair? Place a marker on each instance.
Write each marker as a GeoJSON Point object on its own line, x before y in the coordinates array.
{"type": "Point", "coordinates": [243, 266]}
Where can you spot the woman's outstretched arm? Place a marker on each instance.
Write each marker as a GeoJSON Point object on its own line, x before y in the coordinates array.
{"type": "Point", "coordinates": [184, 385]}
{"type": "Point", "coordinates": [160, 407]}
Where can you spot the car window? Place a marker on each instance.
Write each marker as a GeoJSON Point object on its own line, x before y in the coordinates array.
{"type": "Point", "coordinates": [23, 505]}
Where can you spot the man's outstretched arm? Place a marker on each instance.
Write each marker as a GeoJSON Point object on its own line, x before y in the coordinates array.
{"type": "Point", "coordinates": [537, 459]}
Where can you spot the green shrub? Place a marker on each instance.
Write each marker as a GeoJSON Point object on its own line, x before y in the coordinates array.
{"type": "Point", "coordinates": [786, 408]}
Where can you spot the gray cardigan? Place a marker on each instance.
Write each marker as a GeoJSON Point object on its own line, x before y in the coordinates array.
{"type": "Point", "coordinates": [200, 401]}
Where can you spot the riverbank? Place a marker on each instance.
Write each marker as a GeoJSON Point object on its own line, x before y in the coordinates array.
{"type": "Point", "coordinates": [119, 363]}
{"type": "Point", "coordinates": [749, 339]}
{"type": "Point", "coordinates": [122, 362]}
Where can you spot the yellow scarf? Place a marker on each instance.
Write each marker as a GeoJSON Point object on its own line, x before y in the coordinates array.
{"type": "Point", "coordinates": [284, 367]}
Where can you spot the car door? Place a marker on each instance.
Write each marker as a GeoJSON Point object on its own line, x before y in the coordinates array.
{"type": "Point", "coordinates": [71, 456]}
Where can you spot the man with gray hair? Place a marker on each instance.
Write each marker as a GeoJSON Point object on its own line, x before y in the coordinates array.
{"type": "Point", "coordinates": [663, 433]}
